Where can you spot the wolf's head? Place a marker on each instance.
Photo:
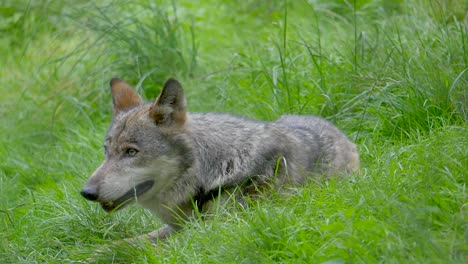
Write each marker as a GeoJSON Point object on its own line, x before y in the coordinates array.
{"type": "Point", "coordinates": [144, 151]}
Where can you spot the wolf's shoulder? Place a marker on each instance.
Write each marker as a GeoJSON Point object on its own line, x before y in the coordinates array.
{"type": "Point", "coordinates": [308, 122]}
{"type": "Point", "coordinates": [219, 118]}
{"type": "Point", "coordinates": [303, 120]}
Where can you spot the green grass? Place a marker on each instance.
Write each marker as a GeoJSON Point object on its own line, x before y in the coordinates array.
{"type": "Point", "coordinates": [392, 74]}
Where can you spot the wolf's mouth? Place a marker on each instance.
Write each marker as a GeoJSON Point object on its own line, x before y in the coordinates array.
{"type": "Point", "coordinates": [127, 197]}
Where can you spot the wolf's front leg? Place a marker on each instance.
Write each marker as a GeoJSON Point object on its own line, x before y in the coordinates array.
{"type": "Point", "coordinates": [160, 234]}
{"type": "Point", "coordinates": [152, 237]}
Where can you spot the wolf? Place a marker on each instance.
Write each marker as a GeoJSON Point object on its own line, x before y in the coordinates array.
{"type": "Point", "coordinates": [173, 162]}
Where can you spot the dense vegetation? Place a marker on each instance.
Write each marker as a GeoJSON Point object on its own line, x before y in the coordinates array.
{"type": "Point", "coordinates": [392, 74]}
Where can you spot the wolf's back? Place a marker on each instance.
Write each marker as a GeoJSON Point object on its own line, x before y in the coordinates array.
{"type": "Point", "coordinates": [231, 149]}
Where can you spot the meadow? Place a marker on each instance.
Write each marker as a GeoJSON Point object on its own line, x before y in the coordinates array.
{"type": "Point", "coordinates": [393, 75]}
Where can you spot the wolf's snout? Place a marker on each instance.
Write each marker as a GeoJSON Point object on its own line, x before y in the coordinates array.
{"type": "Point", "coordinates": [89, 193]}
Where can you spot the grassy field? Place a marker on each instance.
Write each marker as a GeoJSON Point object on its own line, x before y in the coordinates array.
{"type": "Point", "coordinates": [392, 74]}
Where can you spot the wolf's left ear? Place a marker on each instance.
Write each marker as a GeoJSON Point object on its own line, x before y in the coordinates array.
{"type": "Point", "coordinates": [171, 106]}
{"type": "Point", "coordinates": [123, 96]}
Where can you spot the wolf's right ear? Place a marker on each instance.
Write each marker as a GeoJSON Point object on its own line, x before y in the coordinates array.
{"type": "Point", "coordinates": [170, 107]}
{"type": "Point", "coordinates": [123, 96]}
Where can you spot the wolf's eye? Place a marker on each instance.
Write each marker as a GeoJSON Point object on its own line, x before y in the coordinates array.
{"type": "Point", "coordinates": [131, 152]}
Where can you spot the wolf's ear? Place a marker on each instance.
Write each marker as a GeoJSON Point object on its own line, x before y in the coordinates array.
{"type": "Point", "coordinates": [170, 106]}
{"type": "Point", "coordinates": [123, 96]}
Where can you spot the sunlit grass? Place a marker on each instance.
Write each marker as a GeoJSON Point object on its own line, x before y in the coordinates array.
{"type": "Point", "coordinates": [392, 76]}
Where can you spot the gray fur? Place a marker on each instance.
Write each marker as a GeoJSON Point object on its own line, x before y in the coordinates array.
{"type": "Point", "coordinates": [186, 156]}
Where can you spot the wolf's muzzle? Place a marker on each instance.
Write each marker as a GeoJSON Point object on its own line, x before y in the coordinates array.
{"type": "Point", "coordinates": [89, 194]}
{"type": "Point", "coordinates": [109, 206]}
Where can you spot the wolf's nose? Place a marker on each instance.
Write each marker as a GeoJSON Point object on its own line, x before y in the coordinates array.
{"type": "Point", "coordinates": [89, 194]}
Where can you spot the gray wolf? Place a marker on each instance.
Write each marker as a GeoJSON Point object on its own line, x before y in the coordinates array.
{"type": "Point", "coordinates": [174, 163]}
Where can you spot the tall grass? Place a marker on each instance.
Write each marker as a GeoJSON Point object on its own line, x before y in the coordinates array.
{"type": "Point", "coordinates": [138, 42]}
{"type": "Point", "coordinates": [391, 74]}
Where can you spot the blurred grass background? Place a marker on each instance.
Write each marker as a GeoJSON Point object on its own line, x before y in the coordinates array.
{"type": "Point", "coordinates": [391, 74]}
